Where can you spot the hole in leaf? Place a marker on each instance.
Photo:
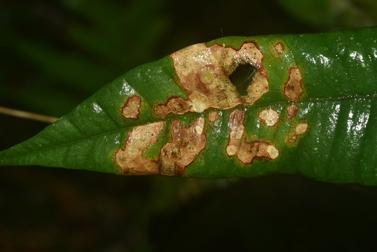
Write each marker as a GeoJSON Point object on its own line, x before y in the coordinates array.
{"type": "Point", "coordinates": [242, 77]}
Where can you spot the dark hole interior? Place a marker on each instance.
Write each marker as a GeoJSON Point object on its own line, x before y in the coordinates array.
{"type": "Point", "coordinates": [242, 77]}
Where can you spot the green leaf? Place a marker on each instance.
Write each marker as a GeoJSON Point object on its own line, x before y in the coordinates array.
{"type": "Point", "coordinates": [309, 108]}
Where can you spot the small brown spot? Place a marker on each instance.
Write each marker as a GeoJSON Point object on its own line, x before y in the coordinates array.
{"type": "Point", "coordinates": [131, 159]}
{"type": "Point", "coordinates": [292, 111]}
{"type": "Point", "coordinates": [246, 151]}
{"type": "Point", "coordinates": [185, 146]}
{"type": "Point", "coordinates": [131, 108]}
{"type": "Point", "coordinates": [269, 117]}
{"type": "Point", "coordinates": [213, 116]}
{"type": "Point", "coordinates": [293, 87]}
{"type": "Point", "coordinates": [279, 48]}
{"type": "Point", "coordinates": [175, 105]}
{"type": "Point", "coordinates": [299, 130]}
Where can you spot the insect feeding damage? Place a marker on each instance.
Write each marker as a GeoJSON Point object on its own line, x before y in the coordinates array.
{"type": "Point", "coordinates": [186, 144]}
{"type": "Point", "coordinates": [293, 87]}
{"type": "Point", "coordinates": [131, 109]}
{"type": "Point", "coordinates": [204, 72]}
{"type": "Point", "coordinates": [131, 159]}
{"type": "Point", "coordinates": [246, 151]}
{"type": "Point", "coordinates": [269, 117]}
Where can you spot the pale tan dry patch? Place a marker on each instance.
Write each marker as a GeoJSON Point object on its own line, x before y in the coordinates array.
{"type": "Point", "coordinates": [131, 109]}
{"type": "Point", "coordinates": [203, 73]}
{"type": "Point", "coordinates": [249, 54]}
{"type": "Point", "coordinates": [256, 89]}
{"type": "Point", "coordinates": [299, 130]}
{"type": "Point", "coordinates": [131, 159]}
{"type": "Point", "coordinates": [269, 117]}
{"type": "Point", "coordinates": [292, 111]}
{"type": "Point", "coordinates": [272, 152]}
{"type": "Point", "coordinates": [256, 150]}
{"type": "Point", "coordinates": [238, 145]}
{"type": "Point", "coordinates": [279, 48]}
{"type": "Point", "coordinates": [175, 105]}
{"type": "Point", "coordinates": [213, 116]}
{"type": "Point", "coordinates": [293, 87]}
{"type": "Point", "coordinates": [185, 146]}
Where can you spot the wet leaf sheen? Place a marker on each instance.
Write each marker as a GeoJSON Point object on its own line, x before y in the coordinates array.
{"type": "Point", "coordinates": [308, 106]}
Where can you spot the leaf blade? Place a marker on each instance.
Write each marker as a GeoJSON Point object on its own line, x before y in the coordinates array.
{"type": "Point", "coordinates": [337, 106]}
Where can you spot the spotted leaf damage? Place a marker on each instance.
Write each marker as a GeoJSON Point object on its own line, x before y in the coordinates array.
{"type": "Point", "coordinates": [279, 49]}
{"type": "Point", "coordinates": [269, 117]}
{"type": "Point", "coordinates": [292, 111]}
{"type": "Point", "coordinates": [185, 145]}
{"type": "Point", "coordinates": [245, 150]}
{"type": "Point", "coordinates": [293, 88]}
{"type": "Point", "coordinates": [203, 73]}
{"type": "Point", "coordinates": [299, 130]}
{"type": "Point", "coordinates": [131, 108]}
{"type": "Point", "coordinates": [131, 159]}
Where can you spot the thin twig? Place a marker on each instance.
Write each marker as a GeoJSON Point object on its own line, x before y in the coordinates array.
{"type": "Point", "coordinates": [27, 115]}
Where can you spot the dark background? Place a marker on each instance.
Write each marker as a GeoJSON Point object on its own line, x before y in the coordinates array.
{"type": "Point", "coordinates": [56, 53]}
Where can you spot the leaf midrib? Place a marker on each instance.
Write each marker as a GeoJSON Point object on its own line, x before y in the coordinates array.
{"type": "Point", "coordinates": [258, 105]}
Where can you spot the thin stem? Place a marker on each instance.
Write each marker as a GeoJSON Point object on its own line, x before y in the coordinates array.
{"type": "Point", "coordinates": [27, 115]}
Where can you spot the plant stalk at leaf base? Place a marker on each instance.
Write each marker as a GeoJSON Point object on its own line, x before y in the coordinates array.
{"type": "Point", "coordinates": [27, 115]}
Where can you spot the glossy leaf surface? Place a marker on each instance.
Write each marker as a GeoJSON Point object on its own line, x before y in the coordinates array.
{"type": "Point", "coordinates": [317, 116]}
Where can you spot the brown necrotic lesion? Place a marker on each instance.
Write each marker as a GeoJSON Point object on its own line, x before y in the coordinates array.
{"type": "Point", "coordinates": [299, 130]}
{"type": "Point", "coordinates": [246, 150]}
{"type": "Point", "coordinates": [279, 49]}
{"type": "Point", "coordinates": [131, 159]}
{"type": "Point", "coordinates": [175, 105]}
{"type": "Point", "coordinates": [269, 117]}
{"type": "Point", "coordinates": [214, 77]}
{"type": "Point", "coordinates": [292, 111]}
{"type": "Point", "coordinates": [213, 116]}
{"type": "Point", "coordinates": [185, 145]}
{"type": "Point", "coordinates": [293, 88]}
{"type": "Point", "coordinates": [131, 108]}
{"type": "Point", "coordinates": [217, 77]}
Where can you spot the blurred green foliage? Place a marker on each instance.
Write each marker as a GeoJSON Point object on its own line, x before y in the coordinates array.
{"type": "Point", "coordinates": [85, 44]}
{"type": "Point", "coordinates": [56, 53]}
{"type": "Point", "coordinates": [331, 14]}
